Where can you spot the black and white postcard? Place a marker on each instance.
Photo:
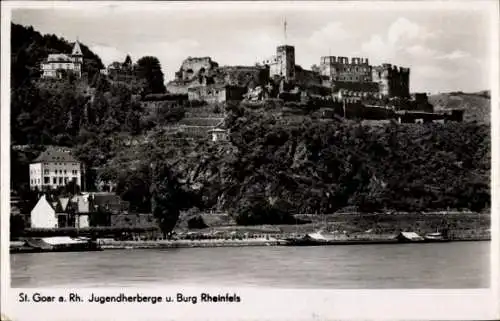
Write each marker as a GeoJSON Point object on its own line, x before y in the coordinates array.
{"type": "Point", "coordinates": [272, 160]}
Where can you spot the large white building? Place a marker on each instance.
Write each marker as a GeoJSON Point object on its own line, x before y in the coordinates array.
{"type": "Point", "coordinates": [54, 168]}
{"type": "Point", "coordinates": [56, 64]}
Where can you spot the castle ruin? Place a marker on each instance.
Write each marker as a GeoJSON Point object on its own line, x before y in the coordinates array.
{"type": "Point", "coordinates": [382, 81]}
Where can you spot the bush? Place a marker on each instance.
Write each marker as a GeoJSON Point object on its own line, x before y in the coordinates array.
{"type": "Point", "coordinates": [197, 222]}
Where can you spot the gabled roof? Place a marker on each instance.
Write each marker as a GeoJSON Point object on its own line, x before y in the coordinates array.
{"type": "Point", "coordinates": [63, 202]}
{"type": "Point", "coordinates": [43, 203]}
{"type": "Point", "coordinates": [52, 155]}
{"type": "Point", "coordinates": [77, 51]}
{"type": "Point", "coordinates": [59, 57]}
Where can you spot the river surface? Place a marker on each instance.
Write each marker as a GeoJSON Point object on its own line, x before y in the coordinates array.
{"type": "Point", "coordinates": [444, 265]}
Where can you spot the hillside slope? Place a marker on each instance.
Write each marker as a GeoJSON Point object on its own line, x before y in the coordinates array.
{"type": "Point", "coordinates": [476, 105]}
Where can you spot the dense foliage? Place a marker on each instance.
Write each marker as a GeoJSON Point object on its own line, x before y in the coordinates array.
{"type": "Point", "coordinates": [323, 167]}
{"type": "Point", "coordinates": [149, 68]}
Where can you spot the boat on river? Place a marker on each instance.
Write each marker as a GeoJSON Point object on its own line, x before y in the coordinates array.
{"type": "Point", "coordinates": [55, 244]}
{"type": "Point", "coordinates": [436, 237]}
{"type": "Point", "coordinates": [325, 238]}
{"type": "Point", "coordinates": [322, 238]}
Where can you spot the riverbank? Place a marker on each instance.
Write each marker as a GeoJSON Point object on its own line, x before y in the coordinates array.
{"type": "Point", "coordinates": [110, 244]}
{"type": "Point", "coordinates": [158, 244]}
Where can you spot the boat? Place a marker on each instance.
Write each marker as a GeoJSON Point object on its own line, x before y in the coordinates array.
{"type": "Point", "coordinates": [316, 238]}
{"type": "Point", "coordinates": [409, 237]}
{"type": "Point", "coordinates": [56, 244]}
{"type": "Point", "coordinates": [325, 238]}
{"type": "Point", "coordinates": [436, 237]}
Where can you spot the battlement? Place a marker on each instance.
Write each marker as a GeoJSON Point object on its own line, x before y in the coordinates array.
{"type": "Point", "coordinates": [344, 60]}
{"type": "Point", "coordinates": [404, 70]}
{"type": "Point", "coordinates": [285, 48]}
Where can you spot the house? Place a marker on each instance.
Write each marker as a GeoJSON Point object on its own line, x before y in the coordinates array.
{"type": "Point", "coordinates": [80, 208]}
{"type": "Point", "coordinates": [43, 215]}
{"type": "Point", "coordinates": [218, 135]}
{"type": "Point", "coordinates": [57, 64]}
{"type": "Point", "coordinates": [54, 168]}
{"type": "Point", "coordinates": [64, 217]}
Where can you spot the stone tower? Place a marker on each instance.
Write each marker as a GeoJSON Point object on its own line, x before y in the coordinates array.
{"type": "Point", "coordinates": [286, 61]}
{"type": "Point", "coordinates": [77, 57]}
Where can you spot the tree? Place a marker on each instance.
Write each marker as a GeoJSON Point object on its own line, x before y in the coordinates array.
{"type": "Point", "coordinates": [169, 197]}
{"type": "Point", "coordinates": [128, 62]}
{"type": "Point", "coordinates": [149, 68]}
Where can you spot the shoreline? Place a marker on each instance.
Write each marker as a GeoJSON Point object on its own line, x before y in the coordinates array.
{"type": "Point", "coordinates": [166, 244]}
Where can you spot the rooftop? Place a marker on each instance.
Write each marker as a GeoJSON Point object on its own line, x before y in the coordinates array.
{"type": "Point", "coordinates": [52, 155]}
{"type": "Point", "coordinates": [59, 58]}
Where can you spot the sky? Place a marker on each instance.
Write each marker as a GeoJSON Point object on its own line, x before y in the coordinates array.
{"type": "Point", "coordinates": [447, 45]}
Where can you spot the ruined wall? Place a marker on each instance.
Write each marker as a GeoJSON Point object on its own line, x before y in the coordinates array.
{"type": "Point", "coordinates": [307, 78]}
{"type": "Point", "coordinates": [342, 69]}
{"type": "Point", "coordinates": [393, 81]}
{"type": "Point", "coordinates": [180, 87]}
{"type": "Point", "coordinates": [216, 94]}
{"type": "Point", "coordinates": [242, 75]}
{"type": "Point", "coordinates": [195, 66]}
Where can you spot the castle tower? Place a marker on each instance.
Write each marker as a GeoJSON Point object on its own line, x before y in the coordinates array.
{"type": "Point", "coordinates": [77, 53]}
{"type": "Point", "coordinates": [77, 56]}
{"type": "Point", "coordinates": [286, 61]}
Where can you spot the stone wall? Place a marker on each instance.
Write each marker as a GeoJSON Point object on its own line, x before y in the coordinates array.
{"type": "Point", "coordinates": [242, 75]}
{"type": "Point", "coordinates": [341, 69]}
{"type": "Point", "coordinates": [195, 66]}
{"type": "Point", "coordinates": [216, 94]}
{"type": "Point", "coordinates": [393, 81]}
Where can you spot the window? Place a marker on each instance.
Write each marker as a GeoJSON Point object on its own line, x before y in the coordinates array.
{"type": "Point", "coordinates": [65, 172]}
{"type": "Point", "coordinates": [46, 180]}
{"type": "Point", "coordinates": [65, 180]}
{"type": "Point", "coordinates": [54, 180]}
{"type": "Point", "coordinates": [60, 180]}
{"type": "Point", "coordinates": [46, 171]}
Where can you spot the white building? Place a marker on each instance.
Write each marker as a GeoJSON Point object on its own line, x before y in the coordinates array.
{"type": "Point", "coordinates": [56, 64]}
{"type": "Point", "coordinates": [54, 168]}
{"type": "Point", "coordinates": [43, 214]}
{"type": "Point", "coordinates": [218, 135]}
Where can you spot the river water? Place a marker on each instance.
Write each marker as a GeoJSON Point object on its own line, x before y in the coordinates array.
{"type": "Point", "coordinates": [438, 265]}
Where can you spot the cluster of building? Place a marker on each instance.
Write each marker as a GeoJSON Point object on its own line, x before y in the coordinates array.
{"type": "Point", "coordinates": [56, 167]}
{"type": "Point", "coordinates": [59, 64]}
{"type": "Point", "coordinates": [201, 78]}
{"type": "Point", "coordinates": [84, 210]}
{"type": "Point", "coordinates": [120, 71]}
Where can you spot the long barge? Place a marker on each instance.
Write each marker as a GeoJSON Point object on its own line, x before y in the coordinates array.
{"type": "Point", "coordinates": [56, 244]}
{"type": "Point", "coordinates": [319, 239]}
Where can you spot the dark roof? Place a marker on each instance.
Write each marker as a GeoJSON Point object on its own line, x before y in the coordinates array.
{"type": "Point", "coordinates": [52, 155]}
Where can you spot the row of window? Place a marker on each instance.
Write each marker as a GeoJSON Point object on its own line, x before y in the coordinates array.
{"type": "Point", "coordinates": [60, 171]}
{"type": "Point", "coordinates": [61, 164]}
{"type": "Point", "coordinates": [356, 69]}
{"type": "Point", "coordinates": [55, 181]}
{"type": "Point", "coordinates": [347, 78]}
{"type": "Point", "coordinates": [63, 66]}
